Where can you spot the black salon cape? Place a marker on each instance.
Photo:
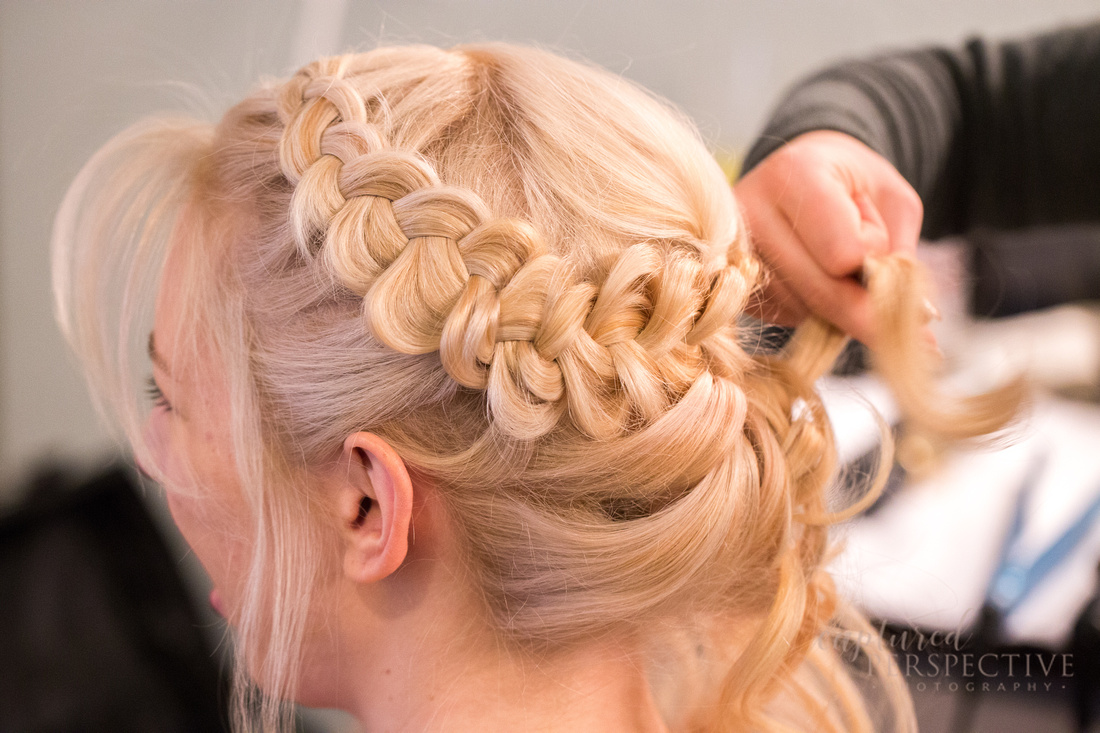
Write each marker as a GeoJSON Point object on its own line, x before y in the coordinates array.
{"type": "Point", "coordinates": [96, 630]}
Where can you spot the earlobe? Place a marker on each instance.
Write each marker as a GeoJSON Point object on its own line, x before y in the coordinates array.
{"type": "Point", "coordinates": [375, 508]}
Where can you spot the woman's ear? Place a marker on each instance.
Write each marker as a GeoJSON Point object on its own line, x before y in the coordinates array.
{"type": "Point", "coordinates": [374, 504]}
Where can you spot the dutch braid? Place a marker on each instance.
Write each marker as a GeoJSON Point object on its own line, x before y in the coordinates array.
{"type": "Point", "coordinates": [437, 272]}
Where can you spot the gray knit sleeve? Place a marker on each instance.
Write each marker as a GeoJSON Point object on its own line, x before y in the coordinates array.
{"type": "Point", "coordinates": [999, 135]}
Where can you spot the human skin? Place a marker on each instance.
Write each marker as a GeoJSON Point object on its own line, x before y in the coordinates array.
{"type": "Point", "coordinates": [395, 634]}
{"type": "Point", "coordinates": [816, 208]}
{"type": "Point", "coordinates": [186, 433]}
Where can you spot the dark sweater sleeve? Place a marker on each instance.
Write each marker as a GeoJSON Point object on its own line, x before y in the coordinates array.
{"type": "Point", "coordinates": [998, 135]}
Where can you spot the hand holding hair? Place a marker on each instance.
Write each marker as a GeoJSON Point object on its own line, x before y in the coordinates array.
{"type": "Point", "coordinates": [816, 208]}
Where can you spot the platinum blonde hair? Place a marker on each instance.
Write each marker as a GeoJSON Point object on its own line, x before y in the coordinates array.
{"type": "Point", "coordinates": [526, 275]}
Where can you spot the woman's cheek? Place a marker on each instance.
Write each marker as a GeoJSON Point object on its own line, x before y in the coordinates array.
{"type": "Point", "coordinates": [154, 438]}
{"type": "Point", "coordinates": [161, 451]}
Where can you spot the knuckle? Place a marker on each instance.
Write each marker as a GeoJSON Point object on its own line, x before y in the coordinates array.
{"type": "Point", "coordinates": [910, 199]}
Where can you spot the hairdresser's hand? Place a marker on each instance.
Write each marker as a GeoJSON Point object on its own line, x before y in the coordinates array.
{"type": "Point", "coordinates": [815, 209]}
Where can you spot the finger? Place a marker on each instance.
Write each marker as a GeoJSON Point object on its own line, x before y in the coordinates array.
{"type": "Point", "coordinates": [839, 229]}
{"type": "Point", "coordinates": [840, 300]}
{"type": "Point", "coordinates": [849, 308]}
{"type": "Point", "coordinates": [777, 304]}
{"type": "Point", "coordinates": [903, 213]}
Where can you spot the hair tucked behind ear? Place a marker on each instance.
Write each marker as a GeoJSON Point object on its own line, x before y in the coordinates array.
{"type": "Point", "coordinates": [526, 275]}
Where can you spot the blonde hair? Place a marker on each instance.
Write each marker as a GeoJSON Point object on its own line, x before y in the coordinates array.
{"type": "Point", "coordinates": [525, 274]}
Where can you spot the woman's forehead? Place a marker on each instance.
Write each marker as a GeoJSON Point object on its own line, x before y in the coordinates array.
{"type": "Point", "coordinates": [182, 345]}
{"type": "Point", "coordinates": [168, 322]}
{"type": "Point", "coordinates": [184, 288]}
{"type": "Point", "coordinates": [155, 356]}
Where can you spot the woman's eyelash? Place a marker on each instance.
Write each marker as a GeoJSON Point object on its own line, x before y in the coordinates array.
{"type": "Point", "coordinates": [153, 391]}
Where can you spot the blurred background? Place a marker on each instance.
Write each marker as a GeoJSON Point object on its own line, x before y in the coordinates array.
{"type": "Point", "coordinates": [73, 72]}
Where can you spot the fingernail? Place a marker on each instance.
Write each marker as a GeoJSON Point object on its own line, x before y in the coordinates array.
{"type": "Point", "coordinates": [930, 311]}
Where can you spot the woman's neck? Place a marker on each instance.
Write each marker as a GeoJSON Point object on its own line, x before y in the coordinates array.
{"type": "Point", "coordinates": [412, 656]}
{"type": "Point", "coordinates": [411, 653]}
{"type": "Point", "coordinates": [446, 686]}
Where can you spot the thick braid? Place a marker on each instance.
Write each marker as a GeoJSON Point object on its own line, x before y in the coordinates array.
{"type": "Point", "coordinates": [438, 273]}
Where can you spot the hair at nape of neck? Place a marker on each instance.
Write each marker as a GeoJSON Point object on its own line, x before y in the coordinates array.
{"type": "Point", "coordinates": [524, 275]}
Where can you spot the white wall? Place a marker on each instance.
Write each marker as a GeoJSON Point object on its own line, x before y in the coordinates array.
{"type": "Point", "coordinates": [73, 72]}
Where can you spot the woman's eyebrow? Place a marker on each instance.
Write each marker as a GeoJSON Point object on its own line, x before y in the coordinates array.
{"type": "Point", "coordinates": [155, 357]}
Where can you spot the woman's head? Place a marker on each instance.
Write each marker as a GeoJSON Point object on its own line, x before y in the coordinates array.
{"type": "Point", "coordinates": [525, 276]}
{"type": "Point", "coordinates": [521, 276]}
